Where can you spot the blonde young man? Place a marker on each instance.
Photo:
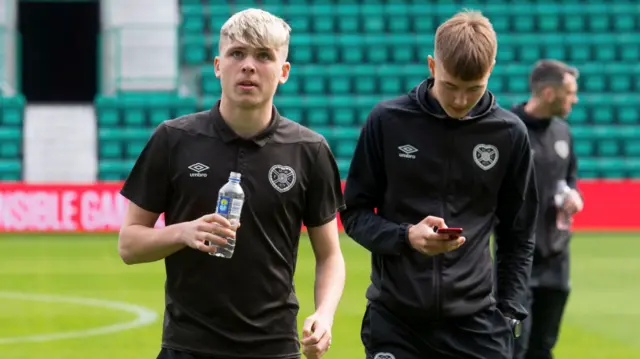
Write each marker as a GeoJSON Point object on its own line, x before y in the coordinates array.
{"type": "Point", "coordinates": [554, 91]}
{"type": "Point", "coordinates": [444, 155]}
{"type": "Point", "coordinates": [244, 306]}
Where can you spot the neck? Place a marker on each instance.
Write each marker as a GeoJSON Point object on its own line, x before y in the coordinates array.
{"type": "Point", "coordinates": [536, 109]}
{"type": "Point", "coordinates": [246, 122]}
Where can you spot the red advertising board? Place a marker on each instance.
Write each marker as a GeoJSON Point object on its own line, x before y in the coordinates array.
{"type": "Point", "coordinates": [609, 206]}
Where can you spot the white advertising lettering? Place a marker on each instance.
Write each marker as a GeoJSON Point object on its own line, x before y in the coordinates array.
{"type": "Point", "coordinates": [102, 210]}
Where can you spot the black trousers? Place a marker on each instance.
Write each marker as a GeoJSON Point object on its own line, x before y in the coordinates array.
{"type": "Point", "coordinates": [541, 329]}
{"type": "Point", "coordinates": [485, 335]}
{"type": "Point", "coordinates": [176, 354]}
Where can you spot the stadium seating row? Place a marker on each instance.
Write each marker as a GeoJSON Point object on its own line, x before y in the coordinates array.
{"type": "Point", "coordinates": [11, 134]}
{"type": "Point", "coordinates": [348, 55]}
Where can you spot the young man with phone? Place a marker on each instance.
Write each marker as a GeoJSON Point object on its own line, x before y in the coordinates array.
{"type": "Point", "coordinates": [553, 94]}
{"type": "Point", "coordinates": [444, 155]}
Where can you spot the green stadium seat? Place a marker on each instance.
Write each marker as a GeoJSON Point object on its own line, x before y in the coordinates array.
{"type": "Point", "coordinates": [573, 24]}
{"type": "Point", "coordinates": [602, 115]}
{"type": "Point", "coordinates": [624, 23]}
{"type": "Point", "coordinates": [345, 148]}
{"type": "Point", "coordinates": [373, 24]}
{"type": "Point", "coordinates": [548, 23]}
{"type": "Point", "coordinates": [12, 110]}
{"type": "Point", "coordinates": [579, 53]}
{"type": "Point", "coordinates": [115, 169]}
{"type": "Point", "coordinates": [583, 148]}
{"type": "Point", "coordinates": [339, 133]}
{"type": "Point", "coordinates": [10, 149]}
{"type": "Point", "coordinates": [13, 166]}
{"type": "Point", "coordinates": [629, 115]}
{"type": "Point", "coordinates": [301, 54]}
{"type": "Point", "coordinates": [630, 53]}
{"type": "Point", "coordinates": [391, 86]}
{"type": "Point", "coordinates": [399, 25]}
{"type": "Point", "coordinates": [339, 85]}
{"type": "Point", "coordinates": [294, 114]}
{"type": "Point", "coordinates": [556, 52]}
{"type": "Point", "coordinates": [354, 55]}
{"type": "Point", "coordinates": [125, 134]}
{"type": "Point", "coordinates": [523, 23]}
{"type": "Point", "coordinates": [344, 117]}
{"type": "Point", "coordinates": [314, 86]}
{"type": "Point", "coordinates": [192, 23]}
{"type": "Point", "coordinates": [632, 148]}
{"type": "Point", "coordinates": [620, 83]}
{"type": "Point", "coordinates": [605, 53]}
{"type": "Point", "coordinates": [343, 166]}
{"type": "Point", "coordinates": [322, 24]}
{"type": "Point", "coordinates": [328, 55]}
{"type": "Point", "coordinates": [318, 117]}
{"type": "Point", "coordinates": [594, 83]}
{"type": "Point", "coordinates": [578, 115]}
{"type": "Point", "coordinates": [402, 54]}
{"type": "Point", "coordinates": [133, 149]}
{"type": "Point", "coordinates": [501, 24]}
{"type": "Point", "coordinates": [110, 150]}
{"type": "Point", "coordinates": [365, 85]}
{"type": "Point", "coordinates": [348, 24]}
{"type": "Point", "coordinates": [194, 51]}
{"type": "Point", "coordinates": [608, 148]}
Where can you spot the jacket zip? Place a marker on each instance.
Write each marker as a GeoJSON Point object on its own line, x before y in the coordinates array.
{"type": "Point", "coordinates": [437, 260]}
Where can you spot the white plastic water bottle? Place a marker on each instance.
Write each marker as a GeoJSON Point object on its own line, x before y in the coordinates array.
{"type": "Point", "coordinates": [230, 201]}
{"type": "Point", "coordinates": [563, 218]}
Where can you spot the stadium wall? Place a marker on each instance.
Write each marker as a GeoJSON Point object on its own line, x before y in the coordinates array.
{"type": "Point", "coordinates": [609, 206]}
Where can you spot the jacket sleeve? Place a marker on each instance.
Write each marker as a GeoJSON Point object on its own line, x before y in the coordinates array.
{"type": "Point", "coordinates": [514, 233]}
{"type": "Point", "coordinates": [364, 192]}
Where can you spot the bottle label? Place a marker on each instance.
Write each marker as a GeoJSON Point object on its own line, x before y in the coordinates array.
{"type": "Point", "coordinates": [223, 206]}
{"type": "Point", "coordinates": [236, 208]}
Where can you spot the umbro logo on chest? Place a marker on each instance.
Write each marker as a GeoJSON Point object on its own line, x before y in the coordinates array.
{"type": "Point", "coordinates": [407, 151]}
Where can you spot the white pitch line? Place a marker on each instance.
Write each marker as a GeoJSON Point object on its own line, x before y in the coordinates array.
{"type": "Point", "coordinates": [144, 316]}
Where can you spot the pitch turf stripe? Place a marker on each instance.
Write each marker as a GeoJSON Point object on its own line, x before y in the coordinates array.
{"type": "Point", "coordinates": [144, 316]}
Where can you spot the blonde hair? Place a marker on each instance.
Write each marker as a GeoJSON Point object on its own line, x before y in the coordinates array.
{"type": "Point", "coordinates": [256, 28]}
{"type": "Point", "coordinates": [466, 45]}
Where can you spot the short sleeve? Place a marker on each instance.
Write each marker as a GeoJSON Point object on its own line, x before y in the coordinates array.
{"type": "Point", "coordinates": [148, 183]}
{"type": "Point", "coordinates": [324, 197]}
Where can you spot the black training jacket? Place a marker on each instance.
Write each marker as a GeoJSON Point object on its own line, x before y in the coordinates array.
{"type": "Point", "coordinates": [554, 160]}
{"type": "Point", "coordinates": [412, 161]}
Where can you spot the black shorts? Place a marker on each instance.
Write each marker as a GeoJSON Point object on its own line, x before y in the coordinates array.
{"type": "Point", "coordinates": [485, 335]}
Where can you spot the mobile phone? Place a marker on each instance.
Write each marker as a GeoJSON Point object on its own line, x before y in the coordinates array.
{"type": "Point", "coordinates": [455, 231]}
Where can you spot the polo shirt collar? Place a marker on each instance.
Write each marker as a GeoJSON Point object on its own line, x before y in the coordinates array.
{"type": "Point", "coordinates": [227, 134]}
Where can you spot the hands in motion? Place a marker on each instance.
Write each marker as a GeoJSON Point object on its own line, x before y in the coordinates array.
{"type": "Point", "coordinates": [211, 228]}
{"type": "Point", "coordinates": [316, 336]}
{"type": "Point", "coordinates": [424, 239]}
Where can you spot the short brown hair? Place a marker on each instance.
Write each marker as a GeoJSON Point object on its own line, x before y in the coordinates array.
{"type": "Point", "coordinates": [548, 72]}
{"type": "Point", "coordinates": [466, 45]}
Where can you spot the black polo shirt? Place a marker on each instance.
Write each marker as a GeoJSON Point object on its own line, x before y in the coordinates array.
{"type": "Point", "coordinates": [243, 307]}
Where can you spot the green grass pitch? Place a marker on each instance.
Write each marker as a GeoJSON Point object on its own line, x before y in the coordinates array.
{"type": "Point", "coordinates": [599, 322]}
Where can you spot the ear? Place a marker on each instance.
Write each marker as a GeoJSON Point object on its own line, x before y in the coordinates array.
{"type": "Point", "coordinates": [284, 75]}
{"type": "Point", "coordinates": [432, 65]}
{"type": "Point", "coordinates": [549, 94]}
{"type": "Point", "coordinates": [216, 66]}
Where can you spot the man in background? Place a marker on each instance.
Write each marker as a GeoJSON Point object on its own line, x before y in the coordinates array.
{"type": "Point", "coordinates": [553, 94]}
